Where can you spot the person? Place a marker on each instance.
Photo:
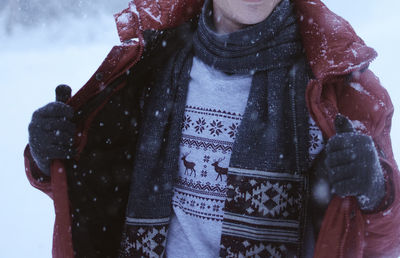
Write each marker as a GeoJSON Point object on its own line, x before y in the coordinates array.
{"type": "Point", "coordinates": [240, 128]}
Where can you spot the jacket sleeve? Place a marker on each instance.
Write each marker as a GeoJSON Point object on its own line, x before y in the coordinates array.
{"type": "Point", "coordinates": [35, 176]}
{"type": "Point", "coordinates": [382, 233]}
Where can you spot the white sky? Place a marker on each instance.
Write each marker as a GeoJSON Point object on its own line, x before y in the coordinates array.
{"type": "Point", "coordinates": [33, 63]}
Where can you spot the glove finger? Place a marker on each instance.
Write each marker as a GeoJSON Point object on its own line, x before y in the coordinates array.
{"type": "Point", "coordinates": [43, 142]}
{"type": "Point", "coordinates": [57, 138]}
{"type": "Point", "coordinates": [63, 93]}
{"type": "Point", "coordinates": [54, 109]}
{"type": "Point", "coordinates": [340, 142]}
{"type": "Point", "coordinates": [343, 172]}
{"type": "Point", "coordinates": [64, 155]}
{"type": "Point", "coordinates": [52, 124]}
{"type": "Point", "coordinates": [52, 151]}
{"type": "Point", "coordinates": [343, 124]}
{"type": "Point", "coordinates": [346, 141]}
{"type": "Point", "coordinates": [347, 187]}
{"type": "Point", "coordinates": [60, 137]}
{"type": "Point", "coordinates": [63, 139]}
{"type": "Point", "coordinates": [340, 158]}
{"type": "Point", "coordinates": [59, 125]}
{"type": "Point", "coordinates": [55, 151]}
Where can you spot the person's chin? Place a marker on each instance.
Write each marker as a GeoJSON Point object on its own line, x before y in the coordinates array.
{"type": "Point", "coordinates": [251, 19]}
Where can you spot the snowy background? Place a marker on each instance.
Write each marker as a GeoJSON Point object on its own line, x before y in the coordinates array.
{"type": "Point", "coordinates": [46, 43]}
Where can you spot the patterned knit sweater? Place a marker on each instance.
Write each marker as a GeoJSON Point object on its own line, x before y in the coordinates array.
{"type": "Point", "coordinates": [214, 107]}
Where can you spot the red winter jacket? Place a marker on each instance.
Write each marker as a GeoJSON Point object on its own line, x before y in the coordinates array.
{"type": "Point", "coordinates": [339, 60]}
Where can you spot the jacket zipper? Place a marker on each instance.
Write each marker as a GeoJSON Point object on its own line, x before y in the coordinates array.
{"type": "Point", "coordinates": [298, 171]}
{"type": "Point", "coordinates": [294, 117]}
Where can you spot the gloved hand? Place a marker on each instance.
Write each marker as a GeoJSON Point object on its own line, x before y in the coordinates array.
{"type": "Point", "coordinates": [353, 166]}
{"type": "Point", "coordinates": [51, 131]}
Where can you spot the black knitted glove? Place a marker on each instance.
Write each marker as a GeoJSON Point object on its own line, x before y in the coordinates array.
{"type": "Point", "coordinates": [51, 131]}
{"type": "Point", "coordinates": [353, 166]}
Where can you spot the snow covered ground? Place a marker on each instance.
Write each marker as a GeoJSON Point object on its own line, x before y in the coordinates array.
{"type": "Point", "coordinates": [33, 62]}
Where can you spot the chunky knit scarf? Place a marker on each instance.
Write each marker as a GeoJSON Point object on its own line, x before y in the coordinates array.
{"type": "Point", "coordinates": [267, 186]}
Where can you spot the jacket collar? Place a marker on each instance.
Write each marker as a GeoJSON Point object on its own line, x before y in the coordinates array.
{"type": "Point", "coordinates": [331, 44]}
